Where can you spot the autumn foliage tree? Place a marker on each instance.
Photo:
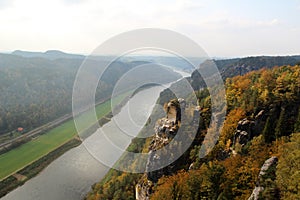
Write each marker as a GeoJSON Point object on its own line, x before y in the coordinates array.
{"type": "Point", "coordinates": [234, 176]}
{"type": "Point", "coordinates": [288, 169]}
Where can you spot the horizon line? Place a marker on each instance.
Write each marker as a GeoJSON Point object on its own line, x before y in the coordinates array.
{"type": "Point", "coordinates": [154, 55]}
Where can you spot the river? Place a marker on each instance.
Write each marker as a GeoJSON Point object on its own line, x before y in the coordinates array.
{"type": "Point", "coordinates": [72, 174]}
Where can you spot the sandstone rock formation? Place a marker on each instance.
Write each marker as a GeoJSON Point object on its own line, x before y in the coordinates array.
{"type": "Point", "coordinates": [165, 129]}
{"type": "Point", "coordinates": [248, 128]}
{"type": "Point", "coordinates": [263, 171]}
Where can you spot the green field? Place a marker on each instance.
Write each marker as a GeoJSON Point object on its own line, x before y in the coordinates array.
{"type": "Point", "coordinates": [20, 157]}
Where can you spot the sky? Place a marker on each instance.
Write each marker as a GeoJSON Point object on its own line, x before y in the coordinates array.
{"type": "Point", "coordinates": [223, 28]}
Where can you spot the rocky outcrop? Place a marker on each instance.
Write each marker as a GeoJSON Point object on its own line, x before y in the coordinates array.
{"type": "Point", "coordinates": [263, 171]}
{"type": "Point", "coordinates": [244, 131]}
{"type": "Point", "coordinates": [248, 128]}
{"type": "Point", "coordinates": [173, 111]}
{"type": "Point", "coordinates": [165, 129]}
{"type": "Point", "coordinates": [143, 189]}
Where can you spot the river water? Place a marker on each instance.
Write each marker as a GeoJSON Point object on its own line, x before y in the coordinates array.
{"type": "Point", "coordinates": [72, 174]}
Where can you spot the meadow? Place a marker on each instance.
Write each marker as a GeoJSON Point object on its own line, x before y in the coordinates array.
{"type": "Point", "coordinates": [20, 157]}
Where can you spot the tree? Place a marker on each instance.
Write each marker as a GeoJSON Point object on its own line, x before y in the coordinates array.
{"type": "Point", "coordinates": [230, 124]}
{"type": "Point", "coordinates": [268, 131]}
{"type": "Point", "coordinates": [172, 187]}
{"type": "Point", "coordinates": [288, 168]}
{"type": "Point", "coordinates": [281, 124]}
{"type": "Point", "coordinates": [297, 123]}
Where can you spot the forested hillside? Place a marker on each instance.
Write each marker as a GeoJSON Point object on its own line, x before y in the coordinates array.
{"type": "Point", "coordinates": [37, 88]}
{"type": "Point", "coordinates": [240, 66]}
{"type": "Point", "coordinates": [257, 153]}
{"type": "Point", "coordinates": [265, 105]}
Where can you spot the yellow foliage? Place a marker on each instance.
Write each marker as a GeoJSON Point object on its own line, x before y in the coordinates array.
{"type": "Point", "coordinates": [231, 123]}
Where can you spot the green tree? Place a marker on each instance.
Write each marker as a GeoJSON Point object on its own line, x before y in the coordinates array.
{"type": "Point", "coordinates": [281, 124]}
{"type": "Point", "coordinates": [268, 131]}
{"type": "Point", "coordinates": [297, 123]}
{"type": "Point", "coordinates": [288, 169]}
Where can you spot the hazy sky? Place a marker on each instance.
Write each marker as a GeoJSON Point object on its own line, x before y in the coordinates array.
{"type": "Point", "coordinates": [222, 28]}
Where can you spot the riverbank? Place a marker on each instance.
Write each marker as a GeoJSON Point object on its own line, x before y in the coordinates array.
{"type": "Point", "coordinates": [20, 176]}
{"type": "Point", "coordinates": [71, 175]}
{"type": "Point", "coordinates": [8, 144]}
{"type": "Point", "coordinates": [23, 175]}
{"type": "Point", "coordinates": [18, 158]}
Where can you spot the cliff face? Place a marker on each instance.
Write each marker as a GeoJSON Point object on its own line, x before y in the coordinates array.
{"type": "Point", "coordinates": [248, 128]}
{"type": "Point", "coordinates": [263, 172]}
{"type": "Point", "coordinates": [165, 129]}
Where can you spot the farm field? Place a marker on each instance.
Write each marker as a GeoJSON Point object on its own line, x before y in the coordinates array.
{"type": "Point", "coordinates": [22, 156]}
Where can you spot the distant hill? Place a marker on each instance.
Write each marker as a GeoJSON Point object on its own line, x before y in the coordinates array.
{"type": "Point", "coordinates": [35, 90]}
{"type": "Point", "coordinates": [51, 54]}
{"type": "Point", "coordinates": [239, 66]}
{"type": "Point", "coordinates": [174, 61]}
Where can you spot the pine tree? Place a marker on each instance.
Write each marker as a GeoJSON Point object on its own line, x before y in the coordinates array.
{"type": "Point", "coordinates": [297, 123]}
{"type": "Point", "coordinates": [280, 125]}
{"type": "Point", "coordinates": [268, 132]}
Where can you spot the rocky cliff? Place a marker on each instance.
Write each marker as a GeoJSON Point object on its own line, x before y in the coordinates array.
{"type": "Point", "coordinates": [261, 176]}
{"type": "Point", "coordinates": [248, 128]}
{"type": "Point", "coordinates": [165, 129]}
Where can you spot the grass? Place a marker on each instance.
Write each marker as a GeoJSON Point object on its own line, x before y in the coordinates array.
{"type": "Point", "coordinates": [11, 182]}
{"type": "Point", "coordinates": [29, 152]}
